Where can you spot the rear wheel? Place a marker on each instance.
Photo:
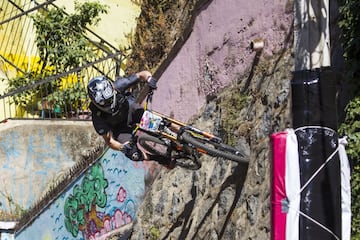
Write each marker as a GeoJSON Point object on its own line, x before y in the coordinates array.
{"type": "Point", "coordinates": [188, 161]}
{"type": "Point", "coordinates": [158, 147]}
{"type": "Point", "coordinates": [214, 149]}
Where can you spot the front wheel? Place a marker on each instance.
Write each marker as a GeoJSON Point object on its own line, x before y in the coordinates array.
{"type": "Point", "coordinates": [205, 146]}
{"type": "Point", "coordinates": [153, 145]}
{"type": "Point", "coordinates": [157, 147]}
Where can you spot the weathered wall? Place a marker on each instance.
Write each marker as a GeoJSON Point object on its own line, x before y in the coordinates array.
{"type": "Point", "coordinates": [100, 201]}
{"type": "Point", "coordinates": [224, 200]}
{"type": "Point", "coordinates": [36, 153]}
{"type": "Point", "coordinates": [218, 50]}
{"type": "Point", "coordinates": [217, 202]}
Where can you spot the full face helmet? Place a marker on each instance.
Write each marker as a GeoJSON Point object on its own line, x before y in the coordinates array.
{"type": "Point", "coordinates": [102, 94]}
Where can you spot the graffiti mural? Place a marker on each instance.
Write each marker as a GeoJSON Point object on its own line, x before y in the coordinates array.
{"type": "Point", "coordinates": [101, 200]}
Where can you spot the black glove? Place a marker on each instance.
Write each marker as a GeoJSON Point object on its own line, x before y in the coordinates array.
{"type": "Point", "coordinates": [131, 151]}
{"type": "Point", "coordinates": [152, 83]}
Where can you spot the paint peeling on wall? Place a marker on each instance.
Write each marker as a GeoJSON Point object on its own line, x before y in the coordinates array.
{"type": "Point", "coordinates": [101, 200]}
{"type": "Point", "coordinates": [30, 160]}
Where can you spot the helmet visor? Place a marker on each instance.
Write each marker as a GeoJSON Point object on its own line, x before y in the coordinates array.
{"type": "Point", "coordinates": [104, 93]}
{"type": "Point", "coordinates": [106, 102]}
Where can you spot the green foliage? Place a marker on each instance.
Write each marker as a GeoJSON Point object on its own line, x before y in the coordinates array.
{"type": "Point", "coordinates": [350, 36]}
{"type": "Point", "coordinates": [26, 98]}
{"type": "Point", "coordinates": [62, 45]}
{"type": "Point", "coordinates": [351, 128]}
{"type": "Point", "coordinates": [155, 233]}
{"type": "Point", "coordinates": [60, 37]}
{"type": "Point", "coordinates": [69, 98]}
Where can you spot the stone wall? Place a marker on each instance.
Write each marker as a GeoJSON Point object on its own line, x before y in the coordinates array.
{"type": "Point", "coordinates": [224, 200]}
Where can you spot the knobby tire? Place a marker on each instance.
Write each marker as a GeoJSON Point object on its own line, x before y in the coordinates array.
{"type": "Point", "coordinates": [151, 144]}
{"type": "Point", "coordinates": [215, 149]}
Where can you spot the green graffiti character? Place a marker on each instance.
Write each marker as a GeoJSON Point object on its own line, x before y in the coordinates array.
{"type": "Point", "coordinates": [80, 207]}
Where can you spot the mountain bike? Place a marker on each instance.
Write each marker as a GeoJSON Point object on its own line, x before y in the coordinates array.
{"type": "Point", "coordinates": [160, 135]}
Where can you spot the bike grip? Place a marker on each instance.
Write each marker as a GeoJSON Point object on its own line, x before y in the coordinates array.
{"type": "Point", "coordinates": [152, 82]}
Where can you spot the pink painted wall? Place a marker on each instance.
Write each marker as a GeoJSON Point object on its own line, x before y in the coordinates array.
{"type": "Point", "coordinates": [218, 50]}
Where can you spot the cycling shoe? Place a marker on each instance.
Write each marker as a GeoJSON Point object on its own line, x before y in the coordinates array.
{"type": "Point", "coordinates": [131, 151]}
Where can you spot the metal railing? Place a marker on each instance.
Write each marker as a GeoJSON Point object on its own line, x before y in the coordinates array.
{"type": "Point", "coordinates": [56, 96]}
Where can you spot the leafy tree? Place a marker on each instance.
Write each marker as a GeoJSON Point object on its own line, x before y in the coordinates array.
{"type": "Point", "coordinates": [24, 98]}
{"type": "Point", "coordinates": [350, 26]}
{"type": "Point", "coordinates": [62, 45]}
{"type": "Point", "coordinates": [351, 128]}
{"type": "Point", "coordinates": [61, 39]}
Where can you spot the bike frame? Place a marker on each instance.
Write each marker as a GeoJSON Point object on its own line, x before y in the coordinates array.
{"type": "Point", "coordinates": [183, 126]}
{"type": "Point", "coordinates": [183, 138]}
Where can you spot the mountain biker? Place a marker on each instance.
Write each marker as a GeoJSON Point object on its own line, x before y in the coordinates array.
{"type": "Point", "coordinates": [115, 112]}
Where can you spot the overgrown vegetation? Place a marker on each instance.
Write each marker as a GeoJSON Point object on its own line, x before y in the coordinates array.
{"type": "Point", "coordinates": [158, 28]}
{"type": "Point", "coordinates": [62, 45]}
{"type": "Point", "coordinates": [231, 105]}
{"type": "Point", "coordinates": [155, 233]}
{"type": "Point", "coordinates": [350, 26]}
{"type": "Point", "coordinates": [351, 128]}
{"type": "Point", "coordinates": [16, 211]}
{"type": "Point", "coordinates": [60, 38]}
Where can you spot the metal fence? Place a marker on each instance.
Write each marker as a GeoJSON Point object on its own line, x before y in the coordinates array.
{"type": "Point", "coordinates": [62, 95]}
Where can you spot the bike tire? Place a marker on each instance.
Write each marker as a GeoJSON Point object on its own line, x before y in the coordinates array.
{"type": "Point", "coordinates": [215, 149]}
{"type": "Point", "coordinates": [153, 144]}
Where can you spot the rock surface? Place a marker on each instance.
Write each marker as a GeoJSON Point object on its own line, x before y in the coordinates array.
{"type": "Point", "coordinates": [224, 200]}
{"type": "Point", "coordinates": [216, 73]}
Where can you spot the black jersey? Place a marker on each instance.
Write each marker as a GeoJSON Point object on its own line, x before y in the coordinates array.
{"type": "Point", "coordinates": [121, 120]}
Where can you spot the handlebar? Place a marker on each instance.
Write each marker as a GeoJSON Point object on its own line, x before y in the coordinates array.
{"type": "Point", "coordinates": [148, 98]}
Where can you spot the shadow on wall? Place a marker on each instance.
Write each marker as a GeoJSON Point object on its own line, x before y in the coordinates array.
{"type": "Point", "coordinates": [235, 181]}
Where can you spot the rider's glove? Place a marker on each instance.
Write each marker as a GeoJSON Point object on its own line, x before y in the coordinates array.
{"type": "Point", "coordinates": [131, 151]}
{"type": "Point", "coordinates": [152, 83]}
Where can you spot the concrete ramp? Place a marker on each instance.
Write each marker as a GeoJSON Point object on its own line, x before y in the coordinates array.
{"type": "Point", "coordinates": [35, 154]}
{"type": "Point", "coordinates": [68, 183]}
{"type": "Point", "coordinates": [102, 199]}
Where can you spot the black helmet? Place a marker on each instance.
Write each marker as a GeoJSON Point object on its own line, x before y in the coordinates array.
{"type": "Point", "coordinates": [102, 94]}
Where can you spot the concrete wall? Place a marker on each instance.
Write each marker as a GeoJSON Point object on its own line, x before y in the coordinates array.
{"type": "Point", "coordinates": [35, 153]}
{"type": "Point", "coordinates": [218, 51]}
{"type": "Point", "coordinates": [101, 200]}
